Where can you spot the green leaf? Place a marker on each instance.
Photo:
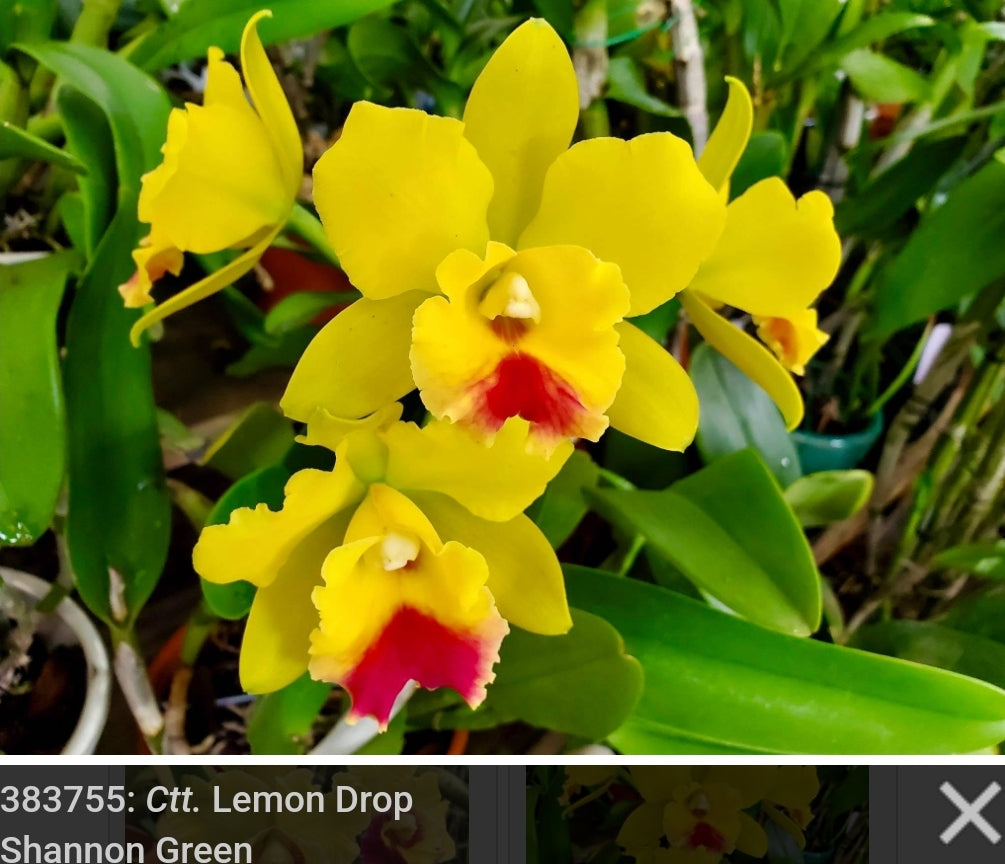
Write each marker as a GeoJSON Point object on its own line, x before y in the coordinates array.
{"type": "Point", "coordinates": [736, 413]}
{"type": "Point", "coordinates": [258, 438]}
{"type": "Point", "coordinates": [881, 79]}
{"type": "Point", "coordinates": [626, 83]}
{"type": "Point", "coordinates": [728, 529]}
{"type": "Point", "coordinates": [829, 496]}
{"type": "Point", "coordinates": [302, 307]}
{"type": "Point", "coordinates": [935, 645]}
{"type": "Point", "coordinates": [874, 29]}
{"type": "Point", "coordinates": [955, 252]}
{"type": "Point", "coordinates": [198, 25]}
{"type": "Point", "coordinates": [563, 505]}
{"type": "Point", "coordinates": [735, 686]}
{"type": "Point", "coordinates": [980, 559]}
{"type": "Point", "coordinates": [32, 416]}
{"type": "Point", "coordinates": [16, 143]}
{"type": "Point", "coordinates": [25, 21]}
{"type": "Point", "coordinates": [766, 155]}
{"type": "Point", "coordinates": [805, 24]}
{"type": "Point", "coordinates": [280, 723]}
{"type": "Point", "coordinates": [265, 486]}
{"type": "Point", "coordinates": [981, 613]}
{"type": "Point", "coordinates": [581, 683]}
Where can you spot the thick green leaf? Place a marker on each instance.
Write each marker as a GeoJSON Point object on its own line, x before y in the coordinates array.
{"type": "Point", "coordinates": [119, 511]}
{"type": "Point", "coordinates": [25, 21]}
{"type": "Point", "coordinates": [935, 645]}
{"type": "Point", "coordinates": [198, 25]}
{"type": "Point", "coordinates": [981, 559]}
{"type": "Point", "coordinates": [829, 496]}
{"type": "Point", "coordinates": [582, 683]}
{"type": "Point", "coordinates": [15, 142]}
{"type": "Point", "coordinates": [736, 413]}
{"type": "Point", "coordinates": [766, 155]}
{"type": "Point", "coordinates": [32, 413]}
{"type": "Point", "coordinates": [563, 505]}
{"type": "Point", "coordinates": [265, 486]}
{"type": "Point", "coordinates": [728, 529]}
{"type": "Point", "coordinates": [626, 83]}
{"type": "Point", "coordinates": [955, 252]}
{"type": "Point", "coordinates": [723, 681]}
{"type": "Point", "coordinates": [880, 79]}
{"type": "Point", "coordinates": [280, 723]}
{"type": "Point", "coordinates": [258, 438]}
{"type": "Point", "coordinates": [805, 24]}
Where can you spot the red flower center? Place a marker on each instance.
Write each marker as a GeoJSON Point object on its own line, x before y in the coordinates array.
{"type": "Point", "coordinates": [522, 386]}
{"type": "Point", "coordinates": [704, 836]}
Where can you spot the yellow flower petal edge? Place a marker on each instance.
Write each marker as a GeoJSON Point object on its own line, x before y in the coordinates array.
{"type": "Point", "coordinates": [729, 138]}
{"type": "Point", "coordinates": [525, 577]}
{"type": "Point", "coordinates": [358, 362]}
{"type": "Point", "coordinates": [657, 402]}
{"type": "Point", "coordinates": [641, 204]}
{"type": "Point", "coordinates": [398, 192]}
{"type": "Point", "coordinates": [497, 482]}
{"type": "Point", "coordinates": [520, 116]}
{"type": "Point", "coordinates": [749, 355]}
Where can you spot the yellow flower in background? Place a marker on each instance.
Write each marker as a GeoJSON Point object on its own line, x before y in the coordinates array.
{"type": "Point", "coordinates": [497, 264]}
{"type": "Point", "coordinates": [775, 256]}
{"type": "Point", "coordinates": [788, 800]}
{"type": "Point", "coordinates": [403, 563]}
{"type": "Point", "coordinates": [229, 180]}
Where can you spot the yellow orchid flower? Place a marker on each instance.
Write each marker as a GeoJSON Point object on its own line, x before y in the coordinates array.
{"type": "Point", "coordinates": [788, 801]}
{"type": "Point", "coordinates": [775, 256]}
{"type": "Point", "coordinates": [498, 265]}
{"type": "Point", "coordinates": [229, 179]}
{"type": "Point", "coordinates": [403, 563]}
{"type": "Point", "coordinates": [692, 816]}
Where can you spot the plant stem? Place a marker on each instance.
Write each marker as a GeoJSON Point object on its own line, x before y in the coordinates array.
{"type": "Point", "coordinates": [131, 673]}
{"type": "Point", "coordinates": [95, 22]}
{"type": "Point", "coordinates": [306, 226]}
{"type": "Point", "coordinates": [345, 739]}
{"type": "Point", "coordinates": [689, 60]}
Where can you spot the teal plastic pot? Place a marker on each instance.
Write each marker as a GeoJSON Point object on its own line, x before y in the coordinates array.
{"type": "Point", "coordinates": [822, 452]}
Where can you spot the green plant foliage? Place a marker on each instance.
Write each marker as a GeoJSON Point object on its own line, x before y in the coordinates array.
{"type": "Point", "coordinates": [16, 143]}
{"type": "Point", "coordinates": [767, 155]}
{"type": "Point", "coordinates": [716, 683]}
{"type": "Point", "coordinates": [736, 413]}
{"type": "Point", "coordinates": [728, 529]}
{"type": "Point", "coordinates": [32, 411]}
{"type": "Point", "coordinates": [980, 559]}
{"type": "Point", "coordinates": [626, 83]}
{"type": "Point", "coordinates": [564, 504]}
{"type": "Point", "coordinates": [280, 723]}
{"type": "Point", "coordinates": [829, 496]}
{"type": "Point", "coordinates": [260, 437]}
{"type": "Point", "coordinates": [880, 79]}
{"type": "Point", "coordinates": [302, 307]}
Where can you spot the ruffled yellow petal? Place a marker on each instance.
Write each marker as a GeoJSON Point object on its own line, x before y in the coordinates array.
{"type": "Point", "coordinates": [398, 192]}
{"type": "Point", "coordinates": [794, 339]}
{"type": "Point", "coordinates": [641, 204]}
{"type": "Point", "coordinates": [215, 281]}
{"type": "Point", "coordinates": [775, 255]}
{"type": "Point", "coordinates": [497, 482]}
{"type": "Point", "coordinates": [256, 543]}
{"type": "Point", "coordinates": [749, 355]}
{"type": "Point", "coordinates": [521, 114]}
{"type": "Point", "coordinates": [524, 575]}
{"type": "Point", "coordinates": [530, 335]}
{"type": "Point", "coordinates": [657, 402]}
{"type": "Point", "coordinates": [729, 138]}
{"type": "Point", "coordinates": [270, 102]}
{"type": "Point", "coordinates": [357, 363]}
{"type": "Point", "coordinates": [153, 259]}
{"type": "Point", "coordinates": [277, 635]}
{"type": "Point", "coordinates": [660, 782]}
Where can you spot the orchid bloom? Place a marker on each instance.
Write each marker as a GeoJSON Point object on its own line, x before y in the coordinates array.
{"type": "Point", "coordinates": [775, 255]}
{"type": "Point", "coordinates": [404, 563]}
{"type": "Point", "coordinates": [788, 801]}
{"type": "Point", "coordinates": [693, 815]}
{"type": "Point", "coordinates": [498, 265]}
{"type": "Point", "coordinates": [229, 179]}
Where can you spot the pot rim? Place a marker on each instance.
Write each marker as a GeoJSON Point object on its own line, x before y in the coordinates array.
{"type": "Point", "coordinates": [94, 714]}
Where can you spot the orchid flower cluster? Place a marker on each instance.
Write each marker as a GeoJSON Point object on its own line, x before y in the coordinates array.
{"type": "Point", "coordinates": [500, 269]}
{"type": "Point", "coordinates": [699, 814]}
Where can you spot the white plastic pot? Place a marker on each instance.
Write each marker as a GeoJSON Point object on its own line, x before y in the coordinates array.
{"type": "Point", "coordinates": [68, 625]}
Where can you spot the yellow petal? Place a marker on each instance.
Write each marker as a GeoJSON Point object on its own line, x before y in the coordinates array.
{"type": "Point", "coordinates": [658, 783]}
{"type": "Point", "coordinates": [729, 138]}
{"type": "Point", "coordinates": [357, 363]}
{"type": "Point", "coordinates": [641, 204]}
{"type": "Point", "coordinates": [270, 102]}
{"type": "Point", "coordinates": [643, 829]}
{"type": "Point", "coordinates": [496, 482]}
{"type": "Point", "coordinates": [794, 338]}
{"type": "Point", "coordinates": [657, 402]}
{"type": "Point", "coordinates": [795, 787]}
{"type": "Point", "coordinates": [216, 281]}
{"type": "Point", "coordinates": [521, 114]}
{"type": "Point", "coordinates": [776, 254]}
{"type": "Point", "coordinates": [750, 356]}
{"type": "Point", "coordinates": [398, 192]}
{"type": "Point", "coordinates": [277, 636]}
{"type": "Point", "coordinates": [752, 782]}
{"type": "Point", "coordinates": [256, 543]}
{"type": "Point", "coordinates": [153, 258]}
{"type": "Point", "coordinates": [208, 194]}
{"type": "Point", "coordinates": [524, 575]}
{"type": "Point", "coordinates": [752, 840]}
{"type": "Point", "coordinates": [326, 430]}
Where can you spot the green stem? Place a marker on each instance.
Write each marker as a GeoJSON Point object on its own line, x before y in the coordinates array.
{"type": "Point", "coordinates": [904, 375]}
{"type": "Point", "coordinates": [95, 22]}
{"type": "Point", "coordinates": [197, 629]}
{"type": "Point", "coordinates": [47, 126]}
{"type": "Point", "coordinates": [616, 480]}
{"type": "Point", "coordinates": [307, 226]}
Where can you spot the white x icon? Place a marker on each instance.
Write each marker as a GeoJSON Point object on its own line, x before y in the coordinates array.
{"type": "Point", "coordinates": [970, 813]}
